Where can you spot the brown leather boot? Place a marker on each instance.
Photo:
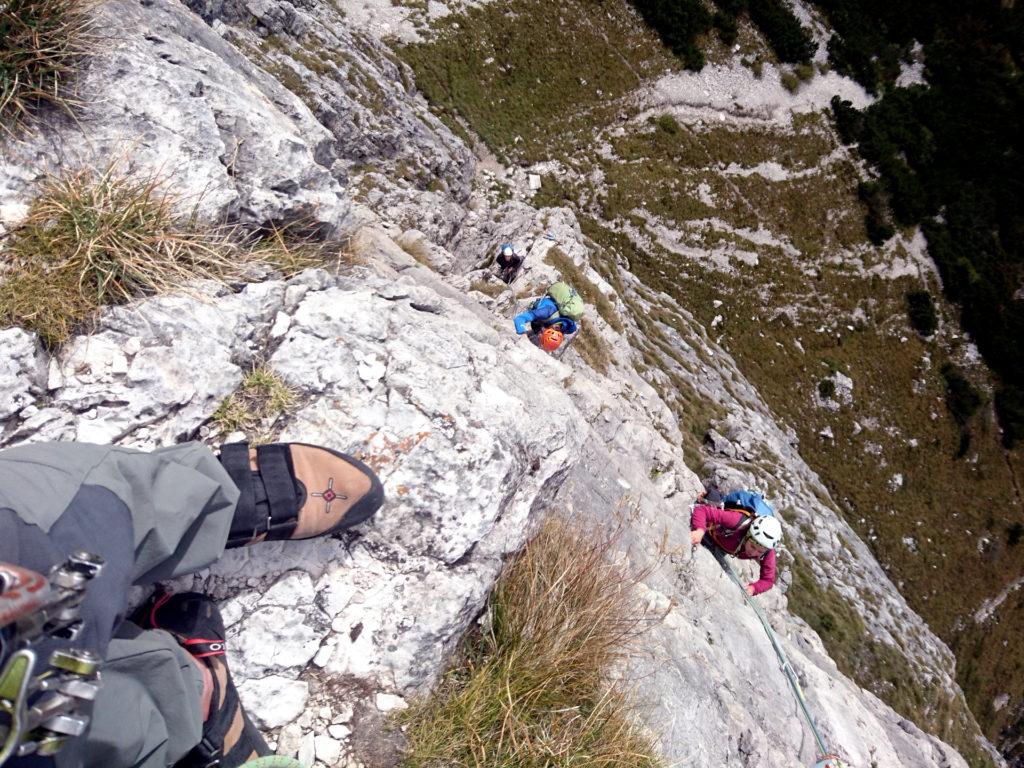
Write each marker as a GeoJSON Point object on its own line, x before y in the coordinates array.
{"type": "Point", "coordinates": [297, 491]}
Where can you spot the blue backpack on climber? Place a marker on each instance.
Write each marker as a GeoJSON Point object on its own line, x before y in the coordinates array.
{"type": "Point", "coordinates": [559, 306]}
{"type": "Point", "coordinates": [748, 502]}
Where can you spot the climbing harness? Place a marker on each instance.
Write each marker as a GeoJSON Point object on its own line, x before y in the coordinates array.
{"type": "Point", "coordinates": [827, 758]}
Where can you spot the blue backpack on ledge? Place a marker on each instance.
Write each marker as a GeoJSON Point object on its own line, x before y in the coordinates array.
{"type": "Point", "coordinates": [749, 502]}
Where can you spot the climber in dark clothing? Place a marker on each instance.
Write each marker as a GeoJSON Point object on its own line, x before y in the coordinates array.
{"type": "Point", "coordinates": [166, 697]}
{"type": "Point", "coordinates": [509, 263]}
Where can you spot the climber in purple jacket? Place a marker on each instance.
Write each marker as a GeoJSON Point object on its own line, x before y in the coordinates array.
{"type": "Point", "coordinates": [741, 535]}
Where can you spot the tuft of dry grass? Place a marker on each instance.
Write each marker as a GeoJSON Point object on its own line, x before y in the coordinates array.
{"type": "Point", "coordinates": [41, 45]}
{"type": "Point", "coordinates": [593, 349]}
{"type": "Point", "coordinates": [256, 406]}
{"type": "Point", "coordinates": [489, 288]}
{"type": "Point", "coordinates": [533, 687]}
{"type": "Point", "coordinates": [94, 238]}
{"type": "Point", "coordinates": [417, 247]}
{"type": "Point", "coordinates": [289, 252]}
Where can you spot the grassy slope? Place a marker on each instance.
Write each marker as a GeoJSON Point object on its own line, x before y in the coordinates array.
{"type": "Point", "coordinates": [535, 90]}
{"type": "Point", "coordinates": [537, 95]}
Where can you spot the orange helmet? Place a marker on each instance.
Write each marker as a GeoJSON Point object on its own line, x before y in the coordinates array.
{"type": "Point", "coordinates": [551, 339]}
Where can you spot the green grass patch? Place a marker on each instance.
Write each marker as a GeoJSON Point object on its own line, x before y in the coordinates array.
{"type": "Point", "coordinates": [256, 407]}
{"type": "Point", "coordinates": [667, 124]}
{"type": "Point", "coordinates": [802, 148]}
{"type": "Point", "coordinates": [591, 294]}
{"type": "Point", "coordinates": [42, 44]}
{"type": "Point", "coordinates": [92, 239]}
{"type": "Point", "coordinates": [532, 685]}
{"type": "Point", "coordinates": [790, 81]}
{"type": "Point", "coordinates": [533, 90]}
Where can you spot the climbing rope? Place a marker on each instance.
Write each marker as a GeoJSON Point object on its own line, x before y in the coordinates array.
{"type": "Point", "coordinates": [827, 758]}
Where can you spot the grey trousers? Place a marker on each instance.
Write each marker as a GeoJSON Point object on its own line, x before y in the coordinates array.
{"type": "Point", "coordinates": [152, 516]}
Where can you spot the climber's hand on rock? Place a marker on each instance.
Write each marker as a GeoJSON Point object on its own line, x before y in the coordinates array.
{"type": "Point", "coordinates": [750, 589]}
{"type": "Point", "coordinates": [696, 536]}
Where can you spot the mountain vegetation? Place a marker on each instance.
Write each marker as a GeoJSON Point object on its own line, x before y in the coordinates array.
{"type": "Point", "coordinates": [950, 157]}
{"type": "Point", "coordinates": [680, 23]}
{"type": "Point", "coordinates": [41, 44]}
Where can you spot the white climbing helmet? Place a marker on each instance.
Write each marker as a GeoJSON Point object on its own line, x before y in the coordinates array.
{"type": "Point", "coordinates": [506, 249]}
{"type": "Point", "coordinates": [766, 531]}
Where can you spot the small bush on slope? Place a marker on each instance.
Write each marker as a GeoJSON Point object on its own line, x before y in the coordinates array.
{"type": "Point", "coordinates": [921, 311]}
{"type": "Point", "coordinates": [532, 687]}
{"type": "Point", "coordinates": [41, 42]}
{"type": "Point", "coordinates": [787, 37]}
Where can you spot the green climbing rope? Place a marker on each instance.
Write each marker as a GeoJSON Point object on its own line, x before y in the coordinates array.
{"type": "Point", "coordinates": [827, 758]}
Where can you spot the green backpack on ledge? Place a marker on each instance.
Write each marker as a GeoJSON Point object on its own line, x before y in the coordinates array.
{"type": "Point", "coordinates": [569, 302]}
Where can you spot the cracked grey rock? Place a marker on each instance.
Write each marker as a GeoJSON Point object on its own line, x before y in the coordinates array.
{"type": "Point", "coordinates": [289, 740]}
{"type": "Point", "coordinates": [22, 371]}
{"type": "Point", "coordinates": [327, 749]}
{"type": "Point", "coordinates": [150, 372]}
{"type": "Point", "coordinates": [719, 444]}
{"type": "Point", "coordinates": [171, 97]}
{"type": "Point", "coordinates": [371, 131]}
{"type": "Point", "coordinates": [412, 392]}
{"type": "Point", "coordinates": [273, 701]}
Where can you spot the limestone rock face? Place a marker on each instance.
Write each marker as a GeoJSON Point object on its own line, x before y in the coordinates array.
{"type": "Point", "coordinates": [262, 113]}
{"type": "Point", "coordinates": [420, 386]}
{"type": "Point", "coordinates": [380, 139]}
{"type": "Point", "coordinates": [169, 97]}
{"type": "Point", "coordinates": [22, 371]}
{"type": "Point", "coordinates": [151, 374]}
